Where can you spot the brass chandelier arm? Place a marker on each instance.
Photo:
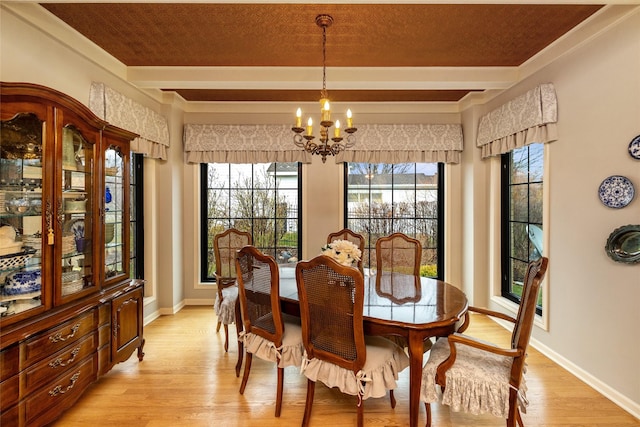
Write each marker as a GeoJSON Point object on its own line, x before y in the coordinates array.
{"type": "Point", "coordinates": [324, 148]}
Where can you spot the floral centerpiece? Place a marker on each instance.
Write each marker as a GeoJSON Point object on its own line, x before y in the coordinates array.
{"type": "Point", "coordinates": [343, 251]}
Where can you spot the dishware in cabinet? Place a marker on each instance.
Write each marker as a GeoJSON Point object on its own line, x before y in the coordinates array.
{"type": "Point", "coordinates": [23, 182]}
{"type": "Point", "coordinates": [77, 218]}
{"type": "Point", "coordinates": [51, 204]}
{"type": "Point", "coordinates": [115, 209]}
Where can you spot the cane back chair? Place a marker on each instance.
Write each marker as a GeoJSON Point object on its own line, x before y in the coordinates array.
{"type": "Point", "coordinates": [268, 333]}
{"type": "Point", "coordinates": [398, 259]}
{"type": "Point", "coordinates": [478, 377]}
{"type": "Point", "coordinates": [337, 353]}
{"type": "Point", "coordinates": [225, 247]}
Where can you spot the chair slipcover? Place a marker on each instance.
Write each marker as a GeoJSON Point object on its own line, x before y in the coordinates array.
{"type": "Point", "coordinates": [289, 354]}
{"type": "Point", "coordinates": [379, 373]}
{"type": "Point", "coordinates": [225, 308]}
{"type": "Point", "coordinates": [477, 383]}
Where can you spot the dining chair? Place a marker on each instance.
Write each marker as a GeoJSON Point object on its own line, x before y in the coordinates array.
{"type": "Point", "coordinates": [268, 333]}
{"type": "Point", "coordinates": [337, 353]}
{"type": "Point", "coordinates": [351, 236]}
{"type": "Point", "coordinates": [398, 258]}
{"type": "Point", "coordinates": [476, 376]}
{"type": "Point", "coordinates": [225, 247]}
{"type": "Point", "coordinates": [398, 254]}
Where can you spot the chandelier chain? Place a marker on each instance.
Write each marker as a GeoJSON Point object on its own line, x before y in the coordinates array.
{"type": "Point", "coordinates": [324, 61]}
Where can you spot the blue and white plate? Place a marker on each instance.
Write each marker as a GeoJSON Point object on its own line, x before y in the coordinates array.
{"type": "Point", "coordinates": [22, 282]}
{"type": "Point", "coordinates": [616, 192]}
{"type": "Point", "coordinates": [634, 148]}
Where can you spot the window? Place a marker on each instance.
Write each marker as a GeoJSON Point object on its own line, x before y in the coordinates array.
{"type": "Point", "coordinates": [262, 199]}
{"type": "Point", "coordinates": [136, 218]}
{"type": "Point", "coordinates": [522, 175]}
{"type": "Point", "coordinates": [382, 199]}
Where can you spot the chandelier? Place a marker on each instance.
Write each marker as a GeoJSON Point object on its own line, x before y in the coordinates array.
{"type": "Point", "coordinates": [303, 139]}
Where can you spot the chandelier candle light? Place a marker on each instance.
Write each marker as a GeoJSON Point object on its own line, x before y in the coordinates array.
{"type": "Point", "coordinates": [305, 141]}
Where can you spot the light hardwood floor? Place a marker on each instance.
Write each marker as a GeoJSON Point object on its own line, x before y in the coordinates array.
{"type": "Point", "coordinates": [186, 379]}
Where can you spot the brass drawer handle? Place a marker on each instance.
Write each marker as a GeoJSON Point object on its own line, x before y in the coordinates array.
{"type": "Point", "coordinates": [61, 390]}
{"type": "Point", "coordinates": [58, 362]}
{"type": "Point", "coordinates": [58, 337]}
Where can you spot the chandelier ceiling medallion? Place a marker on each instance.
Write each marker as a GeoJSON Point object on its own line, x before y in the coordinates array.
{"type": "Point", "coordinates": [305, 140]}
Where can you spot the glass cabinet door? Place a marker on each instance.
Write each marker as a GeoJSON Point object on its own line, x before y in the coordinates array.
{"type": "Point", "coordinates": [77, 218]}
{"type": "Point", "coordinates": [115, 257]}
{"type": "Point", "coordinates": [21, 214]}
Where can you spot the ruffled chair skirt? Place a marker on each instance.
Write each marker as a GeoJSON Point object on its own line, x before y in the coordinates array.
{"type": "Point", "coordinates": [477, 383]}
{"type": "Point", "coordinates": [226, 308]}
{"type": "Point", "coordinates": [379, 374]}
{"type": "Point", "coordinates": [290, 354]}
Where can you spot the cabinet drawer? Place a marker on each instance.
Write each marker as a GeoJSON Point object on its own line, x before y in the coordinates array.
{"type": "Point", "coordinates": [10, 417]}
{"type": "Point", "coordinates": [9, 392]}
{"type": "Point", "coordinates": [9, 362]}
{"type": "Point", "coordinates": [57, 338]}
{"type": "Point", "coordinates": [60, 394]}
{"type": "Point", "coordinates": [57, 364]}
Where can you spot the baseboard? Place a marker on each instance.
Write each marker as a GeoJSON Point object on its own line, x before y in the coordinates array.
{"type": "Point", "coordinates": [200, 302]}
{"type": "Point", "coordinates": [607, 391]}
{"type": "Point", "coordinates": [176, 308]}
{"type": "Point", "coordinates": [173, 310]}
{"type": "Point", "coordinates": [604, 389]}
{"type": "Point", "coordinates": [151, 317]}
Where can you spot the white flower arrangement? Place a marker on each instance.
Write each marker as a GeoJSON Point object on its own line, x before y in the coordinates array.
{"type": "Point", "coordinates": [343, 251]}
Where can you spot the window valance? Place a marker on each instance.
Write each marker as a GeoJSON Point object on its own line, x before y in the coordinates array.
{"type": "Point", "coordinates": [405, 143]}
{"type": "Point", "coordinates": [529, 118]}
{"type": "Point", "coordinates": [128, 114]}
{"type": "Point", "coordinates": [399, 143]}
{"type": "Point", "coordinates": [208, 143]}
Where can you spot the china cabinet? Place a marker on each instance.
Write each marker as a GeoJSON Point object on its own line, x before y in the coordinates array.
{"type": "Point", "coordinates": [68, 309]}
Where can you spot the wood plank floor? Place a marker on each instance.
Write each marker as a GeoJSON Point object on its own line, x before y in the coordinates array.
{"type": "Point", "coordinates": [186, 379]}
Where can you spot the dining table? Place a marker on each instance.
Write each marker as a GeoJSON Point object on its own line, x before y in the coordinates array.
{"type": "Point", "coordinates": [394, 305]}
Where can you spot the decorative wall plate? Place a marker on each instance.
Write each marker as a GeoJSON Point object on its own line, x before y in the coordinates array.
{"type": "Point", "coordinates": [623, 245]}
{"type": "Point", "coordinates": [634, 148]}
{"type": "Point", "coordinates": [616, 192]}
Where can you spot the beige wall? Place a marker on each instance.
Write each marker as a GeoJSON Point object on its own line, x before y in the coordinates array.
{"type": "Point", "coordinates": [592, 301]}
{"type": "Point", "coordinates": [598, 90]}
{"type": "Point", "coordinates": [592, 315]}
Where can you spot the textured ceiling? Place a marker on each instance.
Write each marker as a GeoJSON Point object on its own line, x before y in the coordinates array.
{"type": "Point", "coordinates": [285, 35]}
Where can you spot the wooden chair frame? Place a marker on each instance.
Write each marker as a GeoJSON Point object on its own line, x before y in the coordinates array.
{"type": "Point", "coordinates": [354, 364]}
{"type": "Point", "coordinates": [520, 336]}
{"type": "Point", "coordinates": [250, 254]}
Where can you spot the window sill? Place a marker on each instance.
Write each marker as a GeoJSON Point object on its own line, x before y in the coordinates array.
{"type": "Point", "coordinates": [511, 308]}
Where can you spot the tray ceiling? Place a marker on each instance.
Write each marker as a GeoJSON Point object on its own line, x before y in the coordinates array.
{"type": "Point", "coordinates": [244, 47]}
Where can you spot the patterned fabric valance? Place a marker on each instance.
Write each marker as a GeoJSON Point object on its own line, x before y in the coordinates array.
{"type": "Point", "coordinates": [524, 120]}
{"type": "Point", "coordinates": [206, 143]}
{"type": "Point", "coordinates": [128, 114]}
{"type": "Point", "coordinates": [400, 143]}
{"type": "Point", "coordinates": [405, 143]}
